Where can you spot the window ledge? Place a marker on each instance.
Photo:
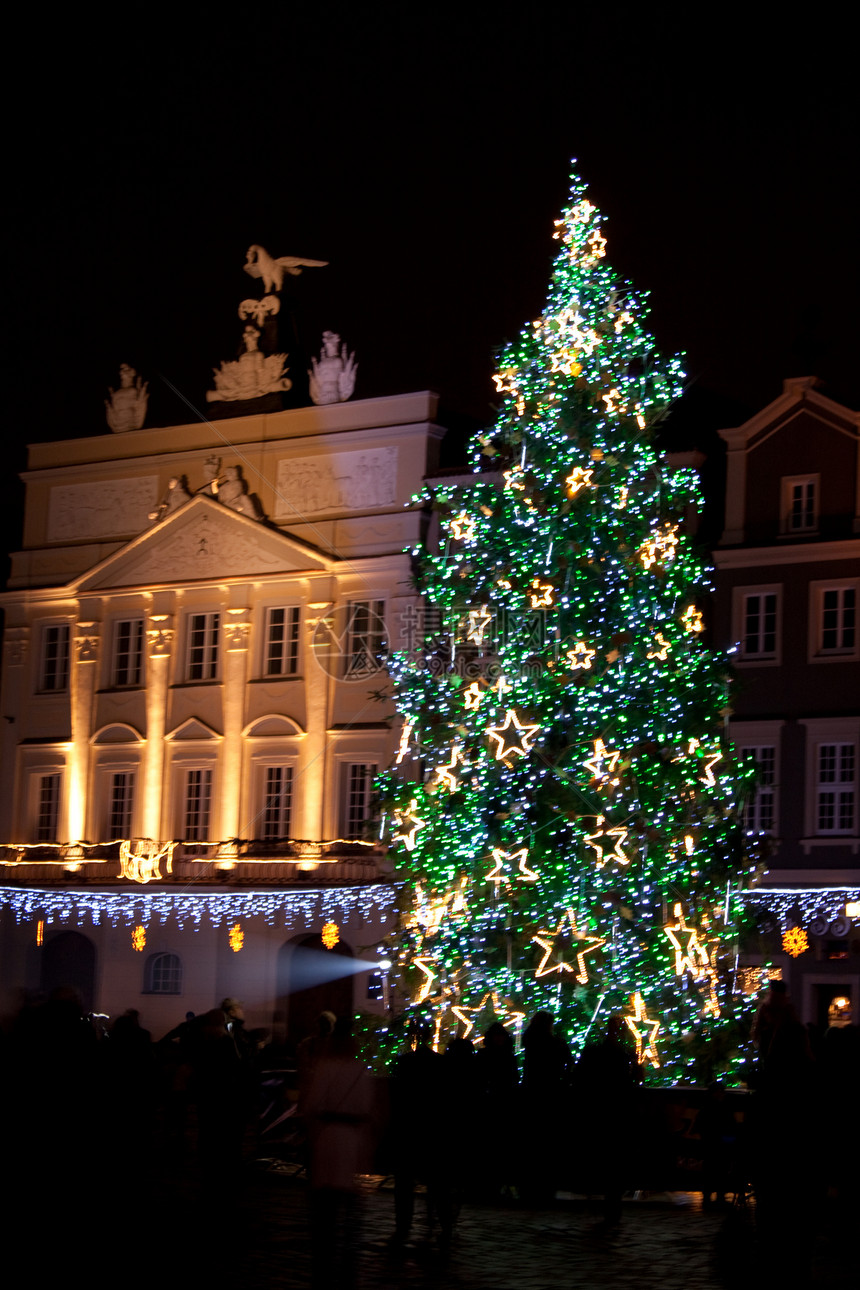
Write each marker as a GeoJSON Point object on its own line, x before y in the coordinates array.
{"type": "Point", "coordinates": [831, 840]}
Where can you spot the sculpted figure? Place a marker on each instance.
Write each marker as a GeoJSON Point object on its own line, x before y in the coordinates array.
{"type": "Point", "coordinates": [332, 379]}
{"type": "Point", "coordinates": [252, 375]}
{"type": "Point", "coordinates": [233, 492]}
{"type": "Point", "coordinates": [177, 495]}
{"type": "Point", "coordinates": [125, 408]}
{"type": "Point", "coordinates": [259, 264]}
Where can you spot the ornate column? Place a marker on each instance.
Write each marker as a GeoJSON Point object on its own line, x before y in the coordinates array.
{"type": "Point", "coordinates": [237, 630]}
{"type": "Point", "coordinates": [82, 685]}
{"type": "Point", "coordinates": [310, 794]}
{"type": "Point", "coordinates": [159, 635]}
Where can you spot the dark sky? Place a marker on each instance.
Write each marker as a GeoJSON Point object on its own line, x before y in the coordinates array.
{"type": "Point", "coordinates": [424, 152]}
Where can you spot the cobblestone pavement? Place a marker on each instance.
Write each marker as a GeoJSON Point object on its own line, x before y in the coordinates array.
{"type": "Point", "coordinates": [668, 1241]}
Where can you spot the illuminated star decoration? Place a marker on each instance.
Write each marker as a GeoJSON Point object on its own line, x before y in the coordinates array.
{"type": "Point", "coordinates": [708, 777]}
{"type": "Point", "coordinates": [472, 695]}
{"type": "Point", "coordinates": [600, 847]}
{"type": "Point", "coordinates": [500, 856]}
{"type": "Point", "coordinates": [580, 657]}
{"type": "Point", "coordinates": [579, 478]}
{"type": "Point", "coordinates": [423, 964]}
{"type": "Point", "coordinates": [602, 754]}
{"type": "Point", "coordinates": [640, 1026]}
{"type": "Point", "coordinates": [446, 775]}
{"type": "Point", "coordinates": [541, 593]}
{"type": "Point", "coordinates": [514, 478]}
{"type": "Point", "coordinates": [403, 746]}
{"type": "Point", "coordinates": [588, 945]}
{"type": "Point", "coordinates": [691, 958]}
{"type": "Point", "coordinates": [663, 652]}
{"type": "Point", "coordinates": [463, 527]}
{"type": "Point", "coordinates": [402, 819]}
{"type": "Point", "coordinates": [692, 619]}
{"type": "Point", "coordinates": [660, 546]}
{"type": "Point", "coordinates": [479, 621]}
{"type": "Point", "coordinates": [507, 1013]}
{"type": "Point", "coordinates": [795, 941]}
{"type": "Point", "coordinates": [523, 741]}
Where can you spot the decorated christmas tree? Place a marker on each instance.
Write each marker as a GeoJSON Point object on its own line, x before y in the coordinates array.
{"type": "Point", "coordinates": [564, 804]}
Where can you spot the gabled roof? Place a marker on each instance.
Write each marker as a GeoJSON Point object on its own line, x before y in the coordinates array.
{"type": "Point", "coordinates": [797, 393]}
{"type": "Point", "coordinates": [201, 541]}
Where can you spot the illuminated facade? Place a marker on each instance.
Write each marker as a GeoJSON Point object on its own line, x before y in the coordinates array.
{"type": "Point", "coordinates": [788, 582]}
{"type": "Point", "coordinates": [195, 628]}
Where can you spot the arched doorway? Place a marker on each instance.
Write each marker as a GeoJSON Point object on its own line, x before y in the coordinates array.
{"type": "Point", "coordinates": [311, 980]}
{"type": "Point", "coordinates": [70, 960]}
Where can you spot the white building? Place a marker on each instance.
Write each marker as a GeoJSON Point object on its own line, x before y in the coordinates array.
{"type": "Point", "coordinates": [191, 718]}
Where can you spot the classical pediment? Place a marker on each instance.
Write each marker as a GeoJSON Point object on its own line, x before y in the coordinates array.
{"type": "Point", "coordinates": [192, 729]}
{"type": "Point", "coordinates": [201, 541]}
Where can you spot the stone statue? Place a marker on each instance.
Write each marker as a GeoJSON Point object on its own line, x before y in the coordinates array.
{"type": "Point", "coordinates": [333, 377]}
{"type": "Point", "coordinates": [125, 408]}
{"type": "Point", "coordinates": [177, 495]}
{"type": "Point", "coordinates": [211, 466]}
{"type": "Point", "coordinates": [233, 492]}
{"type": "Point", "coordinates": [252, 375]}
{"type": "Point", "coordinates": [260, 310]}
{"type": "Point", "coordinates": [259, 264]}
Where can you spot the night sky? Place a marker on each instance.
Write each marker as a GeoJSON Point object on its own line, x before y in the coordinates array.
{"type": "Point", "coordinates": [424, 152]}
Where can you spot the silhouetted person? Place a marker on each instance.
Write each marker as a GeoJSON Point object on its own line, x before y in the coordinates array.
{"type": "Point", "coordinates": [497, 1077]}
{"type": "Point", "coordinates": [418, 1122]}
{"type": "Point", "coordinates": [605, 1085]}
{"type": "Point", "coordinates": [718, 1131]}
{"type": "Point", "coordinates": [338, 1107]}
{"type": "Point", "coordinates": [545, 1089]}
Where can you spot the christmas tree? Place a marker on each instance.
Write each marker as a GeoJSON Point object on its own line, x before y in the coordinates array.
{"type": "Point", "coordinates": [564, 804]}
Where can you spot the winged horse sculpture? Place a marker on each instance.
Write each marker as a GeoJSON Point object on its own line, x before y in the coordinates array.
{"type": "Point", "coordinates": [259, 264]}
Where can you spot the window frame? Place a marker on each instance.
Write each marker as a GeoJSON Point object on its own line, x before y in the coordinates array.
{"type": "Point", "coordinates": [740, 596]}
{"type": "Point", "coordinates": [788, 484]}
{"type": "Point", "coordinates": [130, 773]}
{"type": "Point", "coordinates": [290, 646]}
{"type": "Point", "coordinates": [186, 772]}
{"type": "Point", "coordinates": [822, 731]}
{"type": "Point", "coordinates": [817, 592]}
{"type": "Point", "coordinates": [41, 779]}
{"type": "Point", "coordinates": [114, 679]}
{"type": "Point", "coordinates": [348, 764]}
{"type": "Point", "coordinates": [749, 737]}
{"type": "Point", "coordinates": [284, 765]}
{"type": "Point", "coordinates": [149, 970]}
{"type": "Point", "coordinates": [61, 673]}
{"type": "Point", "coordinates": [210, 663]}
{"type": "Point", "coordinates": [374, 642]}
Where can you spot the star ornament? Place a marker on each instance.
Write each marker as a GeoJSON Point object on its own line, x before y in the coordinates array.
{"type": "Point", "coordinates": [692, 620]}
{"type": "Point", "coordinates": [403, 746]}
{"type": "Point", "coordinates": [463, 527]}
{"type": "Point", "coordinates": [578, 479]}
{"type": "Point", "coordinates": [600, 841]}
{"type": "Point", "coordinates": [580, 657]}
{"type": "Point", "coordinates": [513, 738]}
{"type": "Point", "coordinates": [661, 650]}
{"type": "Point", "coordinates": [473, 694]}
{"type": "Point", "coordinates": [602, 764]}
{"type": "Point", "coordinates": [659, 547]}
{"type": "Point", "coordinates": [522, 873]}
{"type": "Point", "coordinates": [447, 775]}
{"type": "Point", "coordinates": [407, 824]}
{"type": "Point", "coordinates": [423, 962]}
{"type": "Point", "coordinates": [505, 1012]}
{"type": "Point", "coordinates": [692, 957]}
{"type": "Point", "coordinates": [708, 779]}
{"type": "Point", "coordinates": [541, 593]}
{"type": "Point", "coordinates": [644, 1031]}
{"type": "Point", "coordinates": [479, 621]}
{"type": "Point", "coordinates": [547, 942]}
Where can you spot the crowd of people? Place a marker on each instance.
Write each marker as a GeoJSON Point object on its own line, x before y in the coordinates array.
{"type": "Point", "coordinates": [475, 1122]}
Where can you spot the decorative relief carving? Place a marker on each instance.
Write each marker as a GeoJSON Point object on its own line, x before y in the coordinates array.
{"type": "Point", "coordinates": [110, 508]}
{"type": "Point", "coordinates": [206, 545]}
{"type": "Point", "coordinates": [125, 408]}
{"type": "Point", "coordinates": [345, 481]}
{"type": "Point", "coordinates": [237, 629]}
{"type": "Point", "coordinates": [17, 643]}
{"type": "Point", "coordinates": [332, 375]}
{"type": "Point", "coordinates": [87, 642]}
{"type": "Point", "coordinates": [159, 634]}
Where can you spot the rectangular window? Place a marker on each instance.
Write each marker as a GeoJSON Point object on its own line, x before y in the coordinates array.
{"type": "Point", "coordinates": [277, 803]}
{"type": "Point", "coordinates": [838, 620]}
{"type": "Point", "coordinates": [203, 647]}
{"type": "Point", "coordinates": [802, 513]}
{"type": "Point", "coordinates": [121, 804]}
{"type": "Point", "coordinates": [759, 811]}
{"type": "Point", "coordinates": [759, 625]}
{"type": "Point", "coordinates": [835, 793]}
{"type": "Point", "coordinates": [359, 778]}
{"type": "Point", "coordinates": [282, 642]}
{"type": "Point", "coordinates": [128, 652]}
{"type": "Point", "coordinates": [365, 651]}
{"type": "Point", "coordinates": [198, 804]}
{"type": "Point", "coordinates": [48, 808]}
{"type": "Point", "coordinates": [54, 662]}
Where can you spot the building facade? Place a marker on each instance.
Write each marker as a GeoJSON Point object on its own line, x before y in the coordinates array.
{"type": "Point", "coordinates": [193, 702]}
{"type": "Point", "coordinates": [788, 580]}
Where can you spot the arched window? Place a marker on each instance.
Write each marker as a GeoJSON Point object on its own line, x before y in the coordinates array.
{"type": "Point", "coordinates": [162, 974]}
